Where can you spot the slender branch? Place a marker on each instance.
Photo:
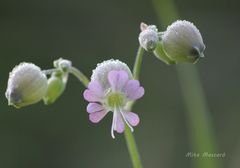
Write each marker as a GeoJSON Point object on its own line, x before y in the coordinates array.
{"type": "Point", "coordinates": [130, 140]}
{"type": "Point", "coordinates": [138, 63]}
{"type": "Point", "coordinates": [78, 74]}
{"type": "Point", "coordinates": [132, 148]}
{"type": "Point", "coordinates": [49, 71]}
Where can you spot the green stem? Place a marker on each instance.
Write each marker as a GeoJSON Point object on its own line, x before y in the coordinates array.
{"type": "Point", "coordinates": [130, 140]}
{"type": "Point", "coordinates": [138, 63]}
{"type": "Point", "coordinates": [78, 74]}
{"type": "Point", "coordinates": [132, 148]}
{"type": "Point", "coordinates": [200, 129]}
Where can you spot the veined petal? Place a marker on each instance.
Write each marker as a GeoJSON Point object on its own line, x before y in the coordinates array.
{"type": "Point", "coordinates": [133, 90]}
{"type": "Point", "coordinates": [91, 96]}
{"type": "Point", "coordinates": [132, 118]}
{"type": "Point", "coordinates": [95, 87]}
{"type": "Point", "coordinates": [117, 79]}
{"type": "Point", "coordinates": [94, 107]}
{"type": "Point", "coordinates": [97, 116]}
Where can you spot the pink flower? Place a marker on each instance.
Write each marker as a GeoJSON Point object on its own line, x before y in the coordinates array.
{"type": "Point", "coordinates": [118, 90]}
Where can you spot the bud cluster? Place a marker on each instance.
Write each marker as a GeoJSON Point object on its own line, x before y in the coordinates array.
{"type": "Point", "coordinates": [57, 81]}
{"type": "Point", "coordinates": [28, 84]}
{"type": "Point", "coordinates": [181, 42]}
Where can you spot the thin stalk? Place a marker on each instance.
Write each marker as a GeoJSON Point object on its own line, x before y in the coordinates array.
{"type": "Point", "coordinates": [49, 71]}
{"type": "Point", "coordinates": [78, 74]}
{"type": "Point", "coordinates": [132, 148]}
{"type": "Point", "coordinates": [130, 140]}
{"type": "Point", "coordinates": [199, 122]}
{"type": "Point", "coordinates": [138, 63]}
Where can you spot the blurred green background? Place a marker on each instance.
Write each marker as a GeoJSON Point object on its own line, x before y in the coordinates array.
{"type": "Point", "coordinates": [88, 32]}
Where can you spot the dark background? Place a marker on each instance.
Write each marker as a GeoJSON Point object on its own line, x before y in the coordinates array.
{"type": "Point", "coordinates": [88, 32]}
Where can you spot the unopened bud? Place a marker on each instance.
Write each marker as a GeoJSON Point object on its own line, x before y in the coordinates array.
{"type": "Point", "coordinates": [148, 38]}
{"type": "Point", "coordinates": [62, 64]}
{"type": "Point", "coordinates": [27, 85]}
{"type": "Point", "coordinates": [183, 42]}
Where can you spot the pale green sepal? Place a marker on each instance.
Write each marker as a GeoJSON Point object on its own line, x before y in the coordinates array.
{"type": "Point", "coordinates": [160, 54]}
{"type": "Point", "coordinates": [56, 86]}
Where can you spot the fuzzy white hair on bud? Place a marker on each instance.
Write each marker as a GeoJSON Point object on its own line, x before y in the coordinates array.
{"type": "Point", "coordinates": [100, 73]}
{"type": "Point", "coordinates": [27, 84]}
{"type": "Point", "coordinates": [148, 38]}
{"type": "Point", "coordinates": [183, 42]}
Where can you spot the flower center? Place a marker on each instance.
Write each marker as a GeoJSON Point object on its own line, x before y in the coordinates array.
{"type": "Point", "coordinates": [115, 100]}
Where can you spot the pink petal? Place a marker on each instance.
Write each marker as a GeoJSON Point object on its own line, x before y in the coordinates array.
{"type": "Point", "coordinates": [120, 125]}
{"type": "Point", "coordinates": [94, 107]}
{"type": "Point", "coordinates": [97, 116]}
{"type": "Point", "coordinates": [95, 87]}
{"type": "Point", "coordinates": [117, 79]}
{"type": "Point", "coordinates": [132, 118]}
{"type": "Point", "coordinates": [133, 90]}
{"type": "Point", "coordinates": [91, 96]}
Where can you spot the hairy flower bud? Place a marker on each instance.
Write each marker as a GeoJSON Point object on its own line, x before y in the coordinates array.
{"type": "Point", "coordinates": [148, 38]}
{"type": "Point", "coordinates": [183, 42]}
{"type": "Point", "coordinates": [27, 85]}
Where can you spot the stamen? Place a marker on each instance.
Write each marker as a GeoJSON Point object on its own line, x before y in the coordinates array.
{"type": "Point", "coordinates": [113, 124]}
{"type": "Point", "coordinates": [131, 128]}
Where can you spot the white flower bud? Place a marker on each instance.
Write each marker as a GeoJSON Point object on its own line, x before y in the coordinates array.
{"type": "Point", "coordinates": [183, 42]}
{"type": "Point", "coordinates": [27, 85]}
{"type": "Point", "coordinates": [148, 38]}
{"type": "Point", "coordinates": [101, 72]}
